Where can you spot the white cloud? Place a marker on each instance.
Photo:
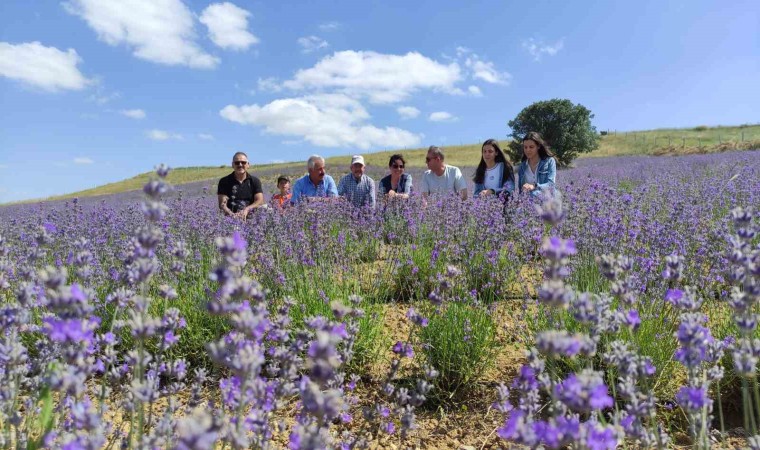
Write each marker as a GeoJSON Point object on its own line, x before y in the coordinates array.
{"type": "Point", "coordinates": [441, 116]}
{"type": "Point", "coordinates": [270, 84]}
{"type": "Point", "coordinates": [484, 70]}
{"type": "Point", "coordinates": [382, 78]}
{"type": "Point", "coordinates": [206, 137]}
{"type": "Point", "coordinates": [228, 26]}
{"type": "Point", "coordinates": [83, 160]}
{"type": "Point", "coordinates": [324, 120]}
{"type": "Point", "coordinates": [133, 113]}
{"type": "Point", "coordinates": [162, 135]}
{"type": "Point", "coordinates": [538, 49]}
{"type": "Point", "coordinates": [329, 26]}
{"type": "Point", "coordinates": [101, 96]}
{"type": "Point", "coordinates": [474, 91]}
{"type": "Point", "coordinates": [276, 161]}
{"type": "Point", "coordinates": [312, 43]}
{"type": "Point", "coordinates": [42, 67]}
{"type": "Point", "coordinates": [160, 31]}
{"type": "Point", "coordinates": [3, 166]}
{"type": "Point", "coordinates": [408, 112]}
{"type": "Point", "coordinates": [478, 68]}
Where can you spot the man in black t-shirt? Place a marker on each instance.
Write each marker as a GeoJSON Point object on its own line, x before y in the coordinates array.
{"type": "Point", "coordinates": [239, 192]}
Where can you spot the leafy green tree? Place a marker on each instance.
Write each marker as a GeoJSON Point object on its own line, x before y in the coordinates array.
{"type": "Point", "coordinates": [564, 126]}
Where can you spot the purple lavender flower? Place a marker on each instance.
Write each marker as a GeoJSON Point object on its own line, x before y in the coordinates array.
{"type": "Point", "coordinates": [584, 392]}
{"type": "Point", "coordinates": [561, 343]}
{"type": "Point", "coordinates": [693, 398]}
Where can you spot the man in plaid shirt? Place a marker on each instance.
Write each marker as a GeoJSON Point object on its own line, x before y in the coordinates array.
{"type": "Point", "coordinates": [357, 187]}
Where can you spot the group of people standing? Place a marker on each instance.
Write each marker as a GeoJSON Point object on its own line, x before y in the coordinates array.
{"type": "Point", "coordinates": [239, 192]}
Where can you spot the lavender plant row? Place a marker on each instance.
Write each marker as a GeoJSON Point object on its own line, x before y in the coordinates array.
{"type": "Point", "coordinates": [650, 275]}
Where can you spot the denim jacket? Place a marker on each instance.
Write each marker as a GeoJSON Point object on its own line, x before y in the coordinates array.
{"type": "Point", "coordinates": [546, 175]}
{"type": "Point", "coordinates": [507, 185]}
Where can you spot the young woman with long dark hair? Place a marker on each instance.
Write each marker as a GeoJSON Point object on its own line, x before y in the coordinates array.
{"type": "Point", "coordinates": [538, 169]}
{"type": "Point", "coordinates": [494, 174]}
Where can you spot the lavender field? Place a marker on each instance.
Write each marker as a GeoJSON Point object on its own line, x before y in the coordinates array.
{"type": "Point", "coordinates": [623, 315]}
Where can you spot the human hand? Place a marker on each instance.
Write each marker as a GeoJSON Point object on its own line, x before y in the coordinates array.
{"type": "Point", "coordinates": [485, 193]}
{"type": "Point", "coordinates": [243, 214]}
{"type": "Point", "coordinates": [527, 187]}
{"type": "Point", "coordinates": [391, 193]}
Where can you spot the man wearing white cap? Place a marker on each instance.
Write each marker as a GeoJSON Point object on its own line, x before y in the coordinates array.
{"type": "Point", "coordinates": [356, 187]}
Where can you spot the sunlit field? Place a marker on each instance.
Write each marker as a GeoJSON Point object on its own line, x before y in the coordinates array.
{"type": "Point", "coordinates": [623, 315]}
{"type": "Point", "coordinates": [672, 142]}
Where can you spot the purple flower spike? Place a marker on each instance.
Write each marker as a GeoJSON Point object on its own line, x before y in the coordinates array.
{"type": "Point", "coordinates": [601, 438]}
{"type": "Point", "coordinates": [584, 392]}
{"type": "Point", "coordinates": [632, 319]}
{"type": "Point", "coordinates": [692, 398]}
{"type": "Point", "coordinates": [70, 330]}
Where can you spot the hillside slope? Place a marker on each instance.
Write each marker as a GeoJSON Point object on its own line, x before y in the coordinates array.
{"type": "Point", "coordinates": [652, 142]}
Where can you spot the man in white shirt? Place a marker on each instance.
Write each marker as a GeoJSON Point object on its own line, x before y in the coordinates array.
{"type": "Point", "coordinates": [441, 178]}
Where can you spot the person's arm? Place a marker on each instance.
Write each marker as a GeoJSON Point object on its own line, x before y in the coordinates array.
{"type": "Point", "coordinates": [258, 201]}
{"type": "Point", "coordinates": [525, 187]}
{"type": "Point", "coordinates": [223, 205]}
{"type": "Point", "coordinates": [460, 185]}
{"type": "Point", "coordinates": [550, 173]}
{"type": "Point", "coordinates": [341, 187]}
{"type": "Point", "coordinates": [372, 196]}
{"type": "Point", "coordinates": [424, 186]}
{"type": "Point", "coordinates": [258, 194]}
{"type": "Point", "coordinates": [481, 191]}
{"type": "Point", "coordinates": [407, 185]}
{"type": "Point", "coordinates": [330, 188]}
{"type": "Point", "coordinates": [296, 192]}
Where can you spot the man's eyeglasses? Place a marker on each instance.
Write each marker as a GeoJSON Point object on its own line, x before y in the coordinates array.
{"type": "Point", "coordinates": [428, 158]}
{"type": "Point", "coordinates": [398, 166]}
{"type": "Point", "coordinates": [239, 163]}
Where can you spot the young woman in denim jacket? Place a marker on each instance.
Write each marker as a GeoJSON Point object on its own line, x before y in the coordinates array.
{"type": "Point", "coordinates": [538, 169]}
{"type": "Point", "coordinates": [494, 174]}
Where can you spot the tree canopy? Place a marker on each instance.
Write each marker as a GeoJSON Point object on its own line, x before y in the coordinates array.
{"type": "Point", "coordinates": [566, 127]}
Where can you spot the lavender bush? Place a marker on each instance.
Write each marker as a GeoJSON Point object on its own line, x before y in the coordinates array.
{"type": "Point", "coordinates": [199, 330]}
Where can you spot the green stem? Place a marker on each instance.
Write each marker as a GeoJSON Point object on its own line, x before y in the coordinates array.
{"type": "Point", "coordinates": [746, 404]}
{"type": "Point", "coordinates": [756, 392]}
{"type": "Point", "coordinates": [720, 410]}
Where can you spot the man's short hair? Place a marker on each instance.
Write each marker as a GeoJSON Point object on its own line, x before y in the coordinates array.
{"type": "Point", "coordinates": [282, 180]}
{"type": "Point", "coordinates": [436, 151]}
{"type": "Point", "coordinates": [312, 160]}
{"type": "Point", "coordinates": [239, 154]}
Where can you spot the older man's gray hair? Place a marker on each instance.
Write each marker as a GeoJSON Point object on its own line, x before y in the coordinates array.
{"type": "Point", "coordinates": [313, 159]}
{"type": "Point", "coordinates": [436, 151]}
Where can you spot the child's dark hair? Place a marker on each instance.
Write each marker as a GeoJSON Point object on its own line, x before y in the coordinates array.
{"type": "Point", "coordinates": [282, 180]}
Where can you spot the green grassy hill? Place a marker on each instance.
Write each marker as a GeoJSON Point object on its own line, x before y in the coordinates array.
{"type": "Point", "coordinates": [653, 142]}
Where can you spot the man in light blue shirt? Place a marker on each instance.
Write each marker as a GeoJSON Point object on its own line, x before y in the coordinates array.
{"type": "Point", "coordinates": [315, 184]}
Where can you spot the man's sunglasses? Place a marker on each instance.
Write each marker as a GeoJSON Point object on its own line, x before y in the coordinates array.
{"type": "Point", "coordinates": [398, 166]}
{"type": "Point", "coordinates": [239, 163]}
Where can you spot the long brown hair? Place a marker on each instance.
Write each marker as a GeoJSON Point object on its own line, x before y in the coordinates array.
{"type": "Point", "coordinates": [480, 172]}
{"type": "Point", "coordinates": [543, 147]}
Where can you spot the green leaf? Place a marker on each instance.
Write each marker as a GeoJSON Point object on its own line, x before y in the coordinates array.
{"type": "Point", "coordinates": [44, 420]}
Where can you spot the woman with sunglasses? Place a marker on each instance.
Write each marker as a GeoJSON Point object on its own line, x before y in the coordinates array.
{"type": "Point", "coordinates": [398, 184]}
{"type": "Point", "coordinates": [494, 174]}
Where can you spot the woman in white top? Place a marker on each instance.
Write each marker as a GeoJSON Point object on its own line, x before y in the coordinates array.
{"type": "Point", "coordinates": [494, 174]}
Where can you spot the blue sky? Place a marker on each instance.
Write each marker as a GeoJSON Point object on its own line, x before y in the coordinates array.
{"type": "Point", "coordinates": [94, 91]}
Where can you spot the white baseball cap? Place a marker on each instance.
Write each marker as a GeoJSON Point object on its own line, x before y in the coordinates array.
{"type": "Point", "coordinates": [357, 159]}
